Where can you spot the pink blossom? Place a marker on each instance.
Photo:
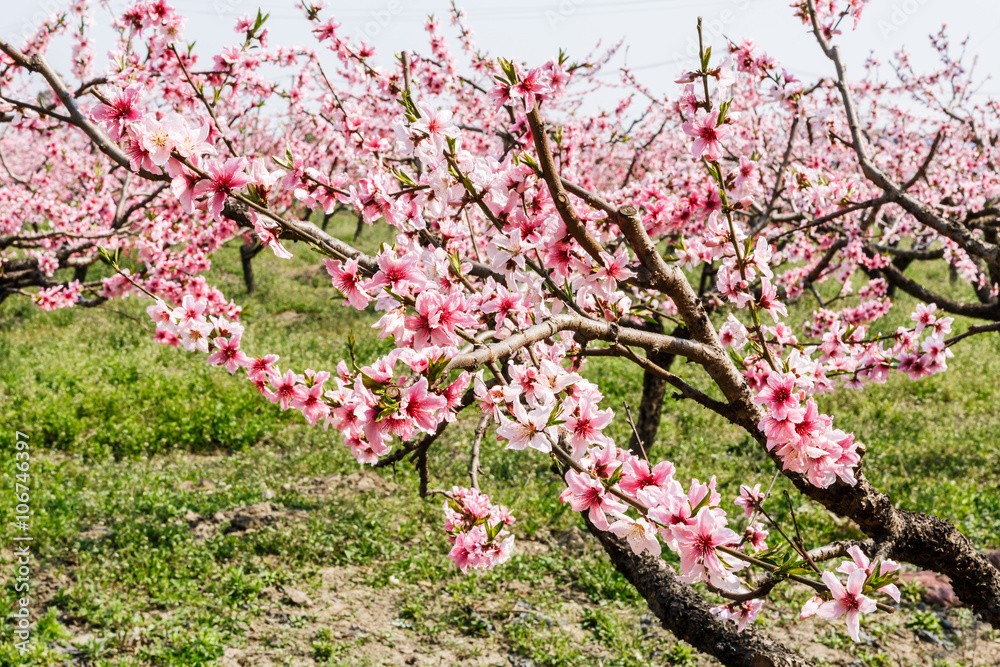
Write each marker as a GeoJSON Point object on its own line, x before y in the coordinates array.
{"type": "Point", "coordinates": [756, 536]}
{"type": "Point", "coordinates": [263, 368]}
{"type": "Point", "coordinates": [779, 395]}
{"type": "Point", "coordinates": [639, 533]}
{"type": "Point", "coordinates": [472, 550]}
{"type": "Point", "coordinates": [478, 530]}
{"type": "Point", "coordinates": [223, 179]}
{"type": "Point", "coordinates": [310, 403]}
{"type": "Point", "coordinates": [227, 353]}
{"type": "Point", "coordinates": [425, 408]}
{"type": "Point", "coordinates": [287, 388]}
{"type": "Point", "coordinates": [746, 177]}
{"type": "Point", "coordinates": [166, 337]}
{"type": "Point", "coordinates": [749, 499]}
{"type": "Point", "coordinates": [741, 612]}
{"type": "Point", "coordinates": [436, 319]}
{"type": "Point", "coordinates": [529, 87]}
{"type": "Point", "coordinates": [636, 475]}
{"type": "Point", "coordinates": [346, 279]}
{"type": "Point", "coordinates": [781, 431]}
{"type": "Point", "coordinates": [698, 543]}
{"type": "Point", "coordinates": [586, 494]}
{"type": "Point", "coordinates": [158, 141]}
{"type": "Point", "coordinates": [436, 124]}
{"type": "Point", "coordinates": [529, 382]}
{"type": "Point", "coordinates": [733, 333]}
{"type": "Point", "coordinates": [810, 607]}
{"type": "Point", "coordinates": [707, 136]}
{"type": "Point", "coordinates": [500, 95]}
{"type": "Point", "coordinates": [160, 314]}
{"type": "Point", "coordinates": [183, 187]}
{"type": "Point", "coordinates": [400, 274]}
{"type": "Point", "coordinates": [190, 310]}
{"type": "Point", "coordinates": [194, 335]}
{"type": "Point", "coordinates": [266, 234]}
{"type": "Point", "coordinates": [847, 600]}
{"type": "Point", "coordinates": [528, 429]}
{"type": "Point", "coordinates": [189, 142]}
{"type": "Point", "coordinates": [120, 112]}
{"type": "Point", "coordinates": [859, 561]}
{"type": "Point", "coordinates": [490, 399]}
{"type": "Point", "coordinates": [768, 300]}
{"type": "Point", "coordinates": [584, 426]}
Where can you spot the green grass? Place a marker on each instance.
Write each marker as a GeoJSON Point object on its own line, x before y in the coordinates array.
{"type": "Point", "coordinates": [123, 431]}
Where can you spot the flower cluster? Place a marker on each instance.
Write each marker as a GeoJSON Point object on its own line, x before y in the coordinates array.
{"type": "Point", "coordinates": [691, 523]}
{"type": "Point", "coordinates": [478, 530]}
{"type": "Point", "coordinates": [369, 406]}
{"type": "Point", "coordinates": [863, 576]}
{"type": "Point", "coordinates": [171, 145]}
{"type": "Point", "coordinates": [805, 439]}
{"type": "Point", "coordinates": [743, 613]}
{"type": "Point", "coordinates": [59, 296]}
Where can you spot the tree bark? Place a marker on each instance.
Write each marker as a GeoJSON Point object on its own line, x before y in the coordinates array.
{"type": "Point", "coordinates": [247, 253]}
{"type": "Point", "coordinates": [682, 611]}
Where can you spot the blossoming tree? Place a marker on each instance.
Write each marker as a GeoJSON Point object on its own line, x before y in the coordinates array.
{"type": "Point", "coordinates": [531, 236]}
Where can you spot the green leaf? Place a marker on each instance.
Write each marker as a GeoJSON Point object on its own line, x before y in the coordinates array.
{"type": "Point", "coordinates": [615, 477]}
{"type": "Point", "coordinates": [260, 21]}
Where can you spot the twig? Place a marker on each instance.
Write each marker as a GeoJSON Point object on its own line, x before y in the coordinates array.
{"type": "Point", "coordinates": [972, 331]}
{"type": "Point", "coordinates": [798, 535]}
{"type": "Point", "coordinates": [762, 222]}
{"type": "Point", "coordinates": [922, 171]}
{"type": "Point", "coordinates": [635, 431]}
{"type": "Point", "coordinates": [484, 423]}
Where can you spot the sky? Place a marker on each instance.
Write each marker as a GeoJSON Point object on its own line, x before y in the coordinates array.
{"type": "Point", "coordinates": [659, 36]}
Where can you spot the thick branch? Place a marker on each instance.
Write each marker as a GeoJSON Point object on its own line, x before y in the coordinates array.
{"type": "Point", "coordinates": [983, 311]}
{"type": "Point", "coordinates": [575, 226]}
{"type": "Point", "coordinates": [684, 389]}
{"type": "Point", "coordinates": [303, 230]}
{"type": "Point", "coordinates": [686, 614]}
{"type": "Point", "coordinates": [592, 329]}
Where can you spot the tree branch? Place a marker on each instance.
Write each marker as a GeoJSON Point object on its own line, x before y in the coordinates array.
{"type": "Point", "coordinates": [686, 614]}
{"type": "Point", "coordinates": [592, 329]}
{"type": "Point", "coordinates": [575, 226]}
{"type": "Point", "coordinates": [37, 63]}
{"type": "Point", "coordinates": [989, 252]}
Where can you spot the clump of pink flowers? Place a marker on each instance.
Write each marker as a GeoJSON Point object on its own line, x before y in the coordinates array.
{"type": "Point", "coordinates": [691, 523]}
{"type": "Point", "coordinates": [369, 406]}
{"type": "Point", "coordinates": [864, 577]}
{"type": "Point", "coordinates": [805, 439]}
{"type": "Point", "coordinates": [478, 530]}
